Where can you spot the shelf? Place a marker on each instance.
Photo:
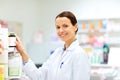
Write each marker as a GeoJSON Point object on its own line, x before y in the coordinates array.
{"type": "Point", "coordinates": [3, 63]}
{"type": "Point", "coordinates": [14, 77]}
{"type": "Point", "coordinates": [91, 31]}
{"type": "Point", "coordinates": [100, 65]}
{"type": "Point", "coordinates": [86, 31]}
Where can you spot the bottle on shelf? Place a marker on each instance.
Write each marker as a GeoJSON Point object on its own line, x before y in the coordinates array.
{"type": "Point", "coordinates": [105, 53]}
{"type": "Point", "coordinates": [14, 64]}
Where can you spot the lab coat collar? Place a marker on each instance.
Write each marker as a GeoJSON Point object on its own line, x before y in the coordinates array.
{"type": "Point", "coordinates": [73, 45]}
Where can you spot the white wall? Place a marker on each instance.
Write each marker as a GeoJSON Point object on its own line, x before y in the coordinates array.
{"type": "Point", "coordinates": [40, 14]}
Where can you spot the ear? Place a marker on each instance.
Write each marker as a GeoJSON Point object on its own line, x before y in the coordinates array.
{"type": "Point", "coordinates": [76, 27]}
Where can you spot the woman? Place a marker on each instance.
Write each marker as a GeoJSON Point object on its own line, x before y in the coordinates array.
{"type": "Point", "coordinates": [68, 62]}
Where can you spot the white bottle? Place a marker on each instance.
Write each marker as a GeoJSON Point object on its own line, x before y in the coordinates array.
{"type": "Point", "coordinates": [14, 64]}
{"type": "Point", "coordinates": [12, 39]}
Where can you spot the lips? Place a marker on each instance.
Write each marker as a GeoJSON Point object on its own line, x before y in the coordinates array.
{"type": "Point", "coordinates": [62, 36]}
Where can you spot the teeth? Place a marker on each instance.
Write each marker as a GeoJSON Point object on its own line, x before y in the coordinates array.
{"type": "Point", "coordinates": [62, 35]}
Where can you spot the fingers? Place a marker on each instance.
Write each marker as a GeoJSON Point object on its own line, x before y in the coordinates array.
{"type": "Point", "coordinates": [18, 39]}
{"type": "Point", "coordinates": [19, 45]}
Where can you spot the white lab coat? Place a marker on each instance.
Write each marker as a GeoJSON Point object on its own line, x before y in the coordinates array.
{"type": "Point", "coordinates": [71, 64]}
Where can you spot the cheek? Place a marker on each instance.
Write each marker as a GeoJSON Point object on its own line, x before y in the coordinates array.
{"type": "Point", "coordinates": [74, 28]}
{"type": "Point", "coordinates": [57, 32]}
{"type": "Point", "coordinates": [71, 30]}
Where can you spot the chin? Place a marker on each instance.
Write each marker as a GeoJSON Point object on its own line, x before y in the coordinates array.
{"type": "Point", "coordinates": [63, 39]}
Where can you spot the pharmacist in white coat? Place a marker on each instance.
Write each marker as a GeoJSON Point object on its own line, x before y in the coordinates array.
{"type": "Point", "coordinates": [68, 62]}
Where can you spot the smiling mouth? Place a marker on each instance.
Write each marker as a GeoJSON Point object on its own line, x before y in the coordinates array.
{"type": "Point", "coordinates": [62, 35]}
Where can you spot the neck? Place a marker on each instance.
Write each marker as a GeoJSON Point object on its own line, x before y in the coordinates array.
{"type": "Point", "coordinates": [68, 43]}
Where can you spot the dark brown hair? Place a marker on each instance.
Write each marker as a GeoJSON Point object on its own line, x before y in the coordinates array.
{"type": "Point", "coordinates": [70, 16]}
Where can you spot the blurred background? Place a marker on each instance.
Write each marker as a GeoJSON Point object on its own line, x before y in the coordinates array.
{"type": "Point", "coordinates": [99, 29]}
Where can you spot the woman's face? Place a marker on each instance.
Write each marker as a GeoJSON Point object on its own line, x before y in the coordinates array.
{"type": "Point", "coordinates": [64, 28]}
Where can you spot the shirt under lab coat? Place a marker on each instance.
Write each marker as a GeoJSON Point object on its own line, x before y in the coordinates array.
{"type": "Point", "coordinates": [69, 64]}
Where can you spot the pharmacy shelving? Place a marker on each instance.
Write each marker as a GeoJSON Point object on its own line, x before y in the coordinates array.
{"type": "Point", "coordinates": [10, 67]}
{"type": "Point", "coordinates": [3, 53]}
{"type": "Point", "coordinates": [93, 33]}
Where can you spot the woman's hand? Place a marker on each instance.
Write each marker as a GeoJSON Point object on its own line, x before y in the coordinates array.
{"type": "Point", "coordinates": [21, 50]}
{"type": "Point", "coordinates": [19, 46]}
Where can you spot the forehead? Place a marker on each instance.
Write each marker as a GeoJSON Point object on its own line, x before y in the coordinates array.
{"type": "Point", "coordinates": [62, 20]}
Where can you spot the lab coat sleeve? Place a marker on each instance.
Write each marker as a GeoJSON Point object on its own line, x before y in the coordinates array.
{"type": "Point", "coordinates": [33, 72]}
{"type": "Point", "coordinates": [38, 74]}
{"type": "Point", "coordinates": [81, 67]}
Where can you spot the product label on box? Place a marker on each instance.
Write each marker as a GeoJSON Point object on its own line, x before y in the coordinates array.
{"type": "Point", "coordinates": [13, 71]}
{"type": "Point", "coordinates": [1, 72]}
{"type": "Point", "coordinates": [14, 65]}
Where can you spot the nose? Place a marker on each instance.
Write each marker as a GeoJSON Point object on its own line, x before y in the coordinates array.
{"type": "Point", "coordinates": [61, 30]}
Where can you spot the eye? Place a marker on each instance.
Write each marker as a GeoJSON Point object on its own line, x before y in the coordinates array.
{"type": "Point", "coordinates": [65, 26]}
{"type": "Point", "coordinates": [57, 27]}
